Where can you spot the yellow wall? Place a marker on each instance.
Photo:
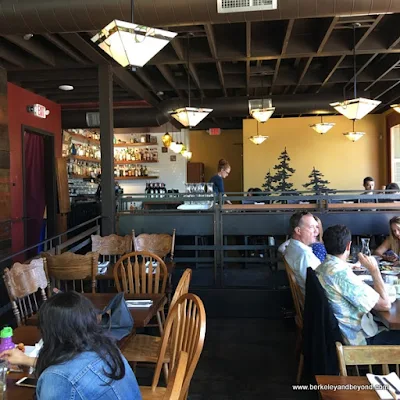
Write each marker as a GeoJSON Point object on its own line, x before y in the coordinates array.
{"type": "Point", "coordinates": [343, 163]}
{"type": "Point", "coordinates": [210, 149]}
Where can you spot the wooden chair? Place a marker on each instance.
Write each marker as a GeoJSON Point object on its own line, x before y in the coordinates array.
{"type": "Point", "coordinates": [72, 267]}
{"type": "Point", "coordinates": [146, 348]}
{"type": "Point", "coordinates": [356, 356]}
{"type": "Point", "coordinates": [111, 247]}
{"type": "Point", "coordinates": [175, 382]}
{"type": "Point", "coordinates": [23, 281]}
{"type": "Point", "coordinates": [185, 330]}
{"type": "Point", "coordinates": [160, 244]}
{"type": "Point", "coordinates": [142, 276]}
{"type": "Point", "coordinates": [298, 300]}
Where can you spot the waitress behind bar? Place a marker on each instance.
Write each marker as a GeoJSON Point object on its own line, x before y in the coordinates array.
{"type": "Point", "coordinates": [224, 170]}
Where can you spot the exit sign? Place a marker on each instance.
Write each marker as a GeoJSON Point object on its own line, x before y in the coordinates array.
{"type": "Point", "coordinates": [38, 110]}
{"type": "Point", "coordinates": [214, 131]}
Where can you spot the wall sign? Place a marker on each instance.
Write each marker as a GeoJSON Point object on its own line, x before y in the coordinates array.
{"type": "Point", "coordinates": [38, 110]}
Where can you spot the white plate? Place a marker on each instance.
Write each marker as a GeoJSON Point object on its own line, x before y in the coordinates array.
{"type": "Point", "coordinates": [390, 272]}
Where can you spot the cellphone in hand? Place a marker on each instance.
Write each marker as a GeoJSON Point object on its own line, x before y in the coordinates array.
{"type": "Point", "coordinates": [27, 382]}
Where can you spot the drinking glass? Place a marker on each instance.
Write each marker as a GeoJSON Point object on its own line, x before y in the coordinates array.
{"type": "Point", "coordinates": [391, 290]}
{"type": "Point", "coordinates": [365, 246]}
{"type": "Point", "coordinates": [3, 377]}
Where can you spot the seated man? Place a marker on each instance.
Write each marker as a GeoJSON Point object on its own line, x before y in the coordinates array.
{"type": "Point", "coordinates": [350, 297]}
{"type": "Point", "coordinates": [369, 185]}
{"type": "Point", "coordinates": [298, 253]}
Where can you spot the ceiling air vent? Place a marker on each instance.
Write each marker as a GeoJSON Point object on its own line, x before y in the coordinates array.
{"type": "Point", "coordinates": [93, 119]}
{"type": "Point", "coordinates": [229, 6]}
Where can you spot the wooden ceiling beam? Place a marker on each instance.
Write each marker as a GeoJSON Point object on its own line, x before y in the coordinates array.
{"type": "Point", "coordinates": [331, 72]}
{"type": "Point", "coordinates": [213, 49]}
{"type": "Point", "coordinates": [285, 44]}
{"type": "Point", "coordinates": [9, 55]}
{"type": "Point", "coordinates": [191, 70]}
{"type": "Point", "coordinates": [126, 80]}
{"type": "Point", "coordinates": [327, 35]}
{"type": "Point", "coordinates": [79, 43]}
{"type": "Point", "coordinates": [34, 48]}
{"type": "Point", "coordinates": [376, 97]}
{"type": "Point", "coordinates": [369, 31]}
{"type": "Point", "coordinates": [303, 74]}
{"type": "Point", "coordinates": [167, 74]}
{"type": "Point", "coordinates": [145, 78]}
{"type": "Point", "coordinates": [384, 68]}
{"type": "Point", "coordinates": [65, 48]}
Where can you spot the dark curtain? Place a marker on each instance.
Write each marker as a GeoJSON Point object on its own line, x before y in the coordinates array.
{"type": "Point", "coordinates": [35, 200]}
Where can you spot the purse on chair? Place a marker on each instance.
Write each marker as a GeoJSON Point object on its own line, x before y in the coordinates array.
{"type": "Point", "coordinates": [116, 317]}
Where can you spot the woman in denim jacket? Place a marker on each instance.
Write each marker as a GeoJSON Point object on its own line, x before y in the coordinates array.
{"type": "Point", "coordinates": [77, 360]}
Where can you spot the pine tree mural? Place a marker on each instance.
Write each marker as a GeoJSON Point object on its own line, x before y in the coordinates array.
{"type": "Point", "coordinates": [283, 173]}
{"type": "Point", "coordinates": [317, 184]}
{"type": "Point", "coordinates": [268, 184]}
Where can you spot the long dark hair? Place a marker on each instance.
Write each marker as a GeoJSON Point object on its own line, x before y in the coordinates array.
{"type": "Point", "coordinates": [68, 323]}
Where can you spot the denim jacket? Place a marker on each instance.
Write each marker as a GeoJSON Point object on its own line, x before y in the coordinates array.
{"type": "Point", "coordinates": [82, 378]}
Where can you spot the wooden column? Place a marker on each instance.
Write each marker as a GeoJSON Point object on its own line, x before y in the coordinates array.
{"type": "Point", "coordinates": [5, 197]}
{"type": "Point", "coordinates": [107, 149]}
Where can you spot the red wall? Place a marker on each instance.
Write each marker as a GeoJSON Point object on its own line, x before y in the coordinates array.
{"type": "Point", "coordinates": [18, 100]}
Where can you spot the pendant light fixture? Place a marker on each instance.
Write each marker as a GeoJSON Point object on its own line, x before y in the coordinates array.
{"type": "Point", "coordinates": [258, 139]}
{"type": "Point", "coordinates": [356, 108]}
{"type": "Point", "coordinates": [396, 107]}
{"type": "Point", "coordinates": [189, 116]}
{"type": "Point", "coordinates": [261, 109]}
{"type": "Point", "coordinates": [322, 127]}
{"type": "Point", "coordinates": [177, 147]}
{"type": "Point", "coordinates": [131, 44]}
{"type": "Point", "coordinates": [354, 135]}
{"type": "Point", "coordinates": [167, 140]}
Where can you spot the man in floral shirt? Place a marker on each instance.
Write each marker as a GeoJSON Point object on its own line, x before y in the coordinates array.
{"type": "Point", "coordinates": [351, 298]}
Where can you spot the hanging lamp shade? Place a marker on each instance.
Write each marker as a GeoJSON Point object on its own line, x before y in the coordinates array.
{"type": "Point", "coordinates": [167, 140]}
{"type": "Point", "coordinates": [187, 154]}
{"type": "Point", "coordinates": [189, 117]}
{"type": "Point", "coordinates": [322, 127]}
{"type": "Point", "coordinates": [355, 108]}
{"type": "Point", "coordinates": [131, 44]}
{"type": "Point", "coordinates": [354, 136]}
{"type": "Point", "coordinates": [261, 109]}
{"type": "Point", "coordinates": [396, 107]}
{"type": "Point", "coordinates": [258, 139]}
{"type": "Point", "coordinates": [358, 107]}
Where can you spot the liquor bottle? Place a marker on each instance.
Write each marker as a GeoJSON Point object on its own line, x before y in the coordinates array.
{"type": "Point", "coordinates": [145, 172]}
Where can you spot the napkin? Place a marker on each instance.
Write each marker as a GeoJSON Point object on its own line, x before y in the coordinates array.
{"type": "Point", "coordinates": [392, 378]}
{"type": "Point", "coordinates": [138, 303]}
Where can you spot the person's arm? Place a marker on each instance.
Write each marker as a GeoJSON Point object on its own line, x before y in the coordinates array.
{"type": "Point", "coordinates": [383, 303]}
{"type": "Point", "coordinates": [382, 249]}
{"type": "Point", "coordinates": [17, 357]}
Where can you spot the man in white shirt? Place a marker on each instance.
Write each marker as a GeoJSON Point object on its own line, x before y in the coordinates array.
{"type": "Point", "coordinates": [298, 253]}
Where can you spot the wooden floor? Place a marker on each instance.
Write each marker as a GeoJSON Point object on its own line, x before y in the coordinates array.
{"type": "Point", "coordinates": [245, 359]}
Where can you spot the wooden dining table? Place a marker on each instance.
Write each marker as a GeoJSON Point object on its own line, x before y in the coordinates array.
{"type": "Point", "coordinates": [365, 393]}
{"type": "Point", "coordinates": [391, 318]}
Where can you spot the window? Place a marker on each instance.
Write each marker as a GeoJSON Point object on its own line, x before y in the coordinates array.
{"type": "Point", "coordinates": [395, 156]}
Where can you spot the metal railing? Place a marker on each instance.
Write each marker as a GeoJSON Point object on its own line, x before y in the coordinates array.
{"type": "Point", "coordinates": [59, 243]}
